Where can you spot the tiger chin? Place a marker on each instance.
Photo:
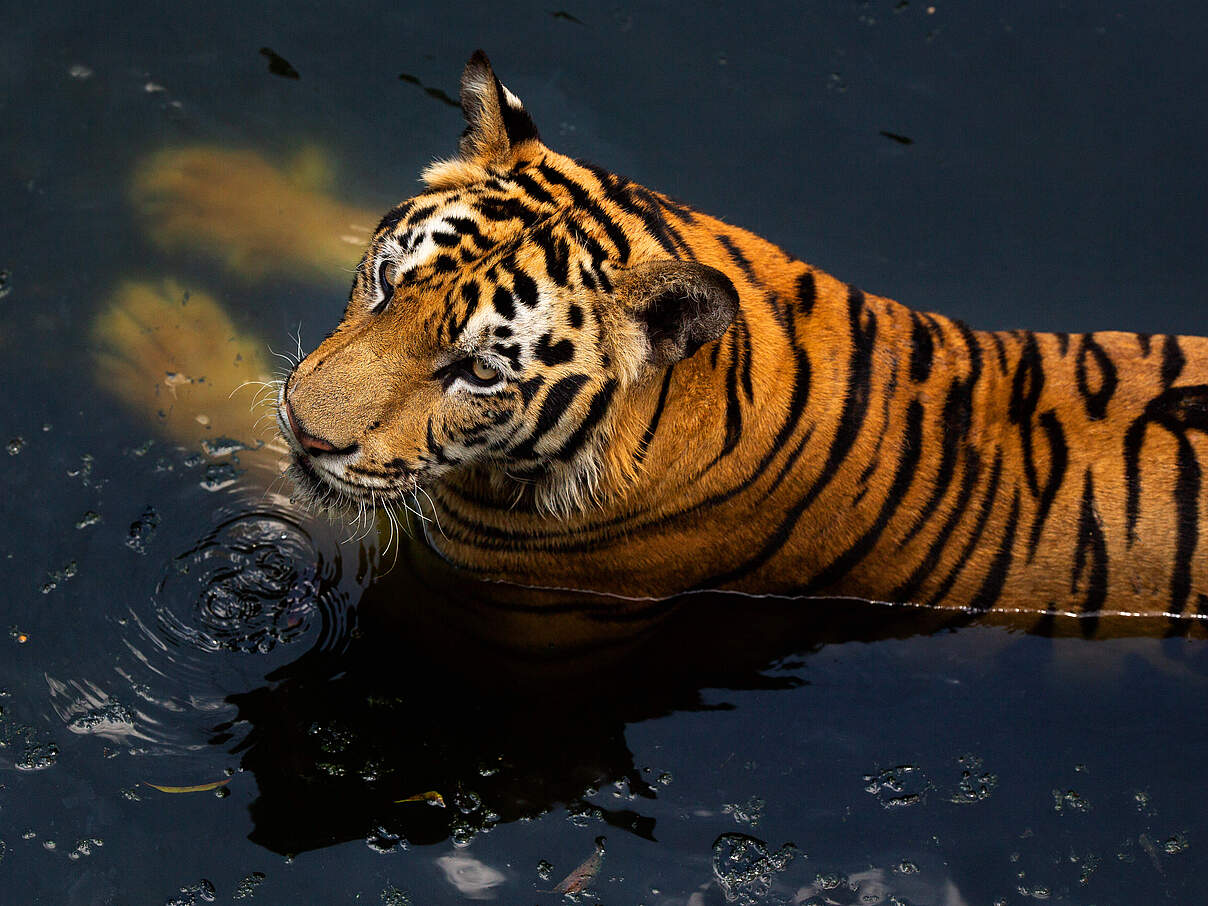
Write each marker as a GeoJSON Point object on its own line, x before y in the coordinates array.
{"type": "Point", "coordinates": [591, 385]}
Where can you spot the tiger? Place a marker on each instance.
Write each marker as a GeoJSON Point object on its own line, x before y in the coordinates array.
{"type": "Point", "coordinates": [584, 386]}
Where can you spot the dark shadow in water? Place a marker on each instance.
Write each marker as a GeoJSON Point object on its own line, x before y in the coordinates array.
{"type": "Point", "coordinates": [442, 688]}
{"type": "Point", "coordinates": [414, 705]}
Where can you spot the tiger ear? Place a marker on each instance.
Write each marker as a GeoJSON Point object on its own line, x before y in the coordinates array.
{"type": "Point", "coordinates": [679, 306]}
{"type": "Point", "coordinates": [496, 121]}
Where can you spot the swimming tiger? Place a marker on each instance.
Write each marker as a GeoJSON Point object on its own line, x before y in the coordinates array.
{"type": "Point", "coordinates": [587, 385]}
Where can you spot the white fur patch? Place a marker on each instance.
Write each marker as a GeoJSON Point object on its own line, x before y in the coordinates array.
{"type": "Point", "coordinates": [420, 249]}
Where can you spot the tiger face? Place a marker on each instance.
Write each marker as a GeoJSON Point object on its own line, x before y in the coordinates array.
{"type": "Point", "coordinates": [495, 324]}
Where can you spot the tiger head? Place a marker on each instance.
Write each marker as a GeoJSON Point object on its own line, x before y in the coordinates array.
{"type": "Point", "coordinates": [496, 326]}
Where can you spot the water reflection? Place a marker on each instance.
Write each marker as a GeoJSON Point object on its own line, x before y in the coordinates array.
{"type": "Point", "coordinates": [345, 744]}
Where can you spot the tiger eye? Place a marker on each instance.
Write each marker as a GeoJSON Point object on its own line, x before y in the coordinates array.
{"type": "Point", "coordinates": [483, 372]}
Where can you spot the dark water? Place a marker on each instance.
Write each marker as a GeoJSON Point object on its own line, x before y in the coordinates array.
{"type": "Point", "coordinates": [160, 626]}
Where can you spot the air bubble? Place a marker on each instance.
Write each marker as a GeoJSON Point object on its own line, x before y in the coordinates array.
{"type": "Point", "coordinates": [744, 866]}
{"type": "Point", "coordinates": [218, 476]}
{"type": "Point", "coordinates": [222, 446]}
{"type": "Point", "coordinates": [899, 786]}
{"type": "Point", "coordinates": [142, 530]}
{"type": "Point", "coordinates": [384, 841]}
{"type": "Point", "coordinates": [392, 896]}
{"type": "Point", "coordinates": [246, 888]}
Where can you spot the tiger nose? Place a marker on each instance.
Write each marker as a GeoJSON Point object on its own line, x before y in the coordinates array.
{"type": "Point", "coordinates": [315, 446]}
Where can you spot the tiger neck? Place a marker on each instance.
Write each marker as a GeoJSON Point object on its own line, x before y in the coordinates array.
{"type": "Point", "coordinates": [771, 426]}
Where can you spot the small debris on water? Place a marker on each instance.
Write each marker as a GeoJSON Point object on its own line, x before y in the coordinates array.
{"type": "Point", "coordinates": [16, 445]}
{"type": "Point", "coordinates": [744, 866]}
{"type": "Point", "coordinates": [222, 446]}
{"type": "Point", "coordinates": [1069, 800]}
{"type": "Point", "coordinates": [577, 880]}
{"type": "Point", "coordinates": [80, 71]}
{"type": "Point", "coordinates": [196, 788]}
{"type": "Point", "coordinates": [431, 797]}
{"type": "Point", "coordinates": [218, 476]}
{"type": "Point", "coordinates": [173, 379]}
{"type": "Point", "coordinates": [246, 888]}
{"type": "Point", "coordinates": [435, 93]}
{"type": "Point", "coordinates": [142, 530]}
{"type": "Point", "coordinates": [278, 65]}
{"type": "Point", "coordinates": [899, 786]}
{"type": "Point", "coordinates": [392, 896]}
{"type": "Point", "coordinates": [58, 576]}
{"type": "Point", "coordinates": [91, 517]}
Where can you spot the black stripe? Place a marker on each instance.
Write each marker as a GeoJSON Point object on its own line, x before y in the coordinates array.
{"type": "Point", "coordinates": [983, 518]}
{"type": "Point", "coordinates": [643, 204]}
{"type": "Point", "coordinates": [1178, 410]}
{"type": "Point", "coordinates": [553, 354]}
{"type": "Point", "coordinates": [394, 216]}
{"type": "Point", "coordinates": [1187, 524]}
{"type": "Point", "coordinates": [528, 389]}
{"type": "Point", "coordinates": [807, 292]}
{"type": "Point", "coordinates": [738, 257]}
{"type": "Point", "coordinates": [506, 209]}
{"type": "Point", "coordinates": [1096, 400]}
{"type": "Point", "coordinates": [467, 227]}
{"type": "Point", "coordinates": [648, 436]}
{"type": "Point", "coordinates": [1172, 360]}
{"type": "Point", "coordinates": [557, 254]}
{"type": "Point", "coordinates": [469, 295]}
{"type": "Point", "coordinates": [858, 396]}
{"type": "Point", "coordinates": [588, 206]}
{"type": "Point", "coordinates": [912, 448]}
{"type": "Point", "coordinates": [1059, 458]}
{"type": "Point", "coordinates": [1026, 388]}
{"type": "Point", "coordinates": [1090, 558]}
{"type": "Point", "coordinates": [415, 215]}
{"type": "Point", "coordinates": [905, 592]}
{"type": "Point", "coordinates": [531, 187]}
{"type": "Point", "coordinates": [855, 408]}
{"type": "Point", "coordinates": [554, 406]}
{"type": "Point", "coordinates": [1000, 350]}
{"type": "Point", "coordinates": [524, 287]}
{"type": "Point", "coordinates": [733, 403]}
{"type": "Point", "coordinates": [1063, 342]}
{"type": "Point", "coordinates": [501, 301]}
{"type": "Point", "coordinates": [595, 412]}
{"type": "Point", "coordinates": [922, 349]}
{"type": "Point", "coordinates": [746, 360]}
{"type": "Point", "coordinates": [996, 578]}
{"type": "Point", "coordinates": [954, 428]}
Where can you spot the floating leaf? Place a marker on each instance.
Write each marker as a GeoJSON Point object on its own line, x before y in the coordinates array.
{"type": "Point", "coordinates": [199, 788]}
{"type": "Point", "coordinates": [577, 880]}
{"type": "Point", "coordinates": [431, 796]}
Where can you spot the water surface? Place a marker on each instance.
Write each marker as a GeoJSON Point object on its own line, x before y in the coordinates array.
{"type": "Point", "coordinates": [1030, 164]}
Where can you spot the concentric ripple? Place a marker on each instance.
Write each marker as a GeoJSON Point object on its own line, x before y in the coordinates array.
{"type": "Point", "coordinates": [256, 582]}
{"type": "Point", "coordinates": [260, 590]}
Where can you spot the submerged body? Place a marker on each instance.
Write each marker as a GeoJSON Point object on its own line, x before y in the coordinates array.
{"type": "Point", "coordinates": [592, 387]}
